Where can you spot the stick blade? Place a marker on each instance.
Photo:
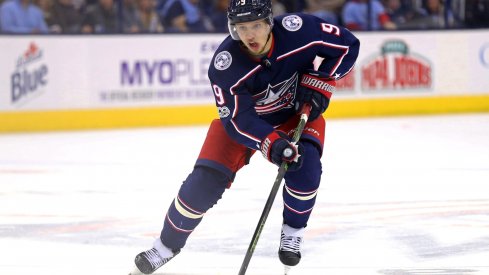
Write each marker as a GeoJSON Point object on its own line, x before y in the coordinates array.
{"type": "Point", "coordinates": [135, 271]}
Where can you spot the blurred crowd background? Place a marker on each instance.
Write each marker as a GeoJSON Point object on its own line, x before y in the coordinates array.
{"type": "Point", "coordinates": [209, 16]}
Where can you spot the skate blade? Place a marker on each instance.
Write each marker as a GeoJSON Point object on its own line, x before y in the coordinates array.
{"type": "Point", "coordinates": [135, 271]}
{"type": "Point", "coordinates": [286, 269]}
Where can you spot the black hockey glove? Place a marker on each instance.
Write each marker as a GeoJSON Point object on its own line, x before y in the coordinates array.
{"type": "Point", "coordinates": [276, 148]}
{"type": "Point", "coordinates": [316, 89]}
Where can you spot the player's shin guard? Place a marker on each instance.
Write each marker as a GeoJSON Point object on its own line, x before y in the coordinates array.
{"type": "Point", "coordinates": [299, 194]}
{"type": "Point", "coordinates": [198, 193]}
{"type": "Point", "coordinates": [301, 187]}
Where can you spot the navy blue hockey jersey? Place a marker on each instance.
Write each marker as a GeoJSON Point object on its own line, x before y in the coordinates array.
{"type": "Point", "coordinates": [254, 96]}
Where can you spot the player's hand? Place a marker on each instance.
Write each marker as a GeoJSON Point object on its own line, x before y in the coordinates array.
{"type": "Point", "coordinates": [315, 88]}
{"type": "Point", "coordinates": [277, 148]}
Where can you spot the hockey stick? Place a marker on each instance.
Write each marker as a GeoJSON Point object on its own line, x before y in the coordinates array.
{"type": "Point", "coordinates": [306, 109]}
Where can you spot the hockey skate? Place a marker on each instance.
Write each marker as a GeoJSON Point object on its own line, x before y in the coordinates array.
{"type": "Point", "coordinates": [289, 251]}
{"type": "Point", "coordinates": [149, 261]}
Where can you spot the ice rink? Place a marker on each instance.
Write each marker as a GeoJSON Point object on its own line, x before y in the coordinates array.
{"type": "Point", "coordinates": [399, 196]}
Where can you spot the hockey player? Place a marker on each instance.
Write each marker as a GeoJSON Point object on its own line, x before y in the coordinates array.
{"type": "Point", "coordinates": [261, 75]}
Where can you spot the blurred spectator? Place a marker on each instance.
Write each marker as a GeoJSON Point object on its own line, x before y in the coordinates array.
{"type": "Point", "coordinates": [327, 10]}
{"type": "Point", "coordinates": [64, 17]}
{"type": "Point", "coordinates": [129, 16]}
{"type": "Point", "coordinates": [184, 16]}
{"type": "Point", "coordinates": [103, 17]}
{"type": "Point", "coordinates": [294, 5]}
{"type": "Point", "coordinates": [395, 11]}
{"type": "Point", "coordinates": [160, 4]}
{"type": "Point", "coordinates": [147, 19]}
{"type": "Point", "coordinates": [207, 6]}
{"type": "Point", "coordinates": [79, 5]}
{"type": "Point", "coordinates": [354, 16]}
{"type": "Point", "coordinates": [218, 16]}
{"type": "Point", "coordinates": [100, 18]}
{"type": "Point", "coordinates": [477, 13]}
{"type": "Point", "coordinates": [45, 6]}
{"type": "Point", "coordinates": [278, 8]}
{"type": "Point", "coordinates": [21, 16]}
{"type": "Point", "coordinates": [435, 16]}
{"type": "Point", "coordinates": [403, 14]}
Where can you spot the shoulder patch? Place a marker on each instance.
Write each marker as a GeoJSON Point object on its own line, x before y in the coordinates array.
{"type": "Point", "coordinates": [292, 22]}
{"type": "Point", "coordinates": [223, 112]}
{"type": "Point", "coordinates": [223, 60]}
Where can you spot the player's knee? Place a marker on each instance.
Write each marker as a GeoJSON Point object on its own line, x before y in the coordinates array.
{"type": "Point", "coordinates": [203, 188]}
{"type": "Point", "coordinates": [309, 175]}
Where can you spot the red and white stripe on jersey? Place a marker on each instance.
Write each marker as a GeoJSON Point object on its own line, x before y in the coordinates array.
{"type": "Point", "coordinates": [326, 44]}
{"type": "Point", "coordinates": [236, 105]}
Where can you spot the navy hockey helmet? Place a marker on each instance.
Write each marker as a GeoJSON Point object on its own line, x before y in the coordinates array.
{"type": "Point", "coordinates": [241, 11]}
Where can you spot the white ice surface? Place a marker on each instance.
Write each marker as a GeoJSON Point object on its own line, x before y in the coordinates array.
{"type": "Point", "coordinates": [399, 196]}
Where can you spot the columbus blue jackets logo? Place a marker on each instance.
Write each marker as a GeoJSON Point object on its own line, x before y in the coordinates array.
{"type": "Point", "coordinates": [277, 97]}
{"type": "Point", "coordinates": [292, 23]}
{"type": "Point", "coordinates": [223, 60]}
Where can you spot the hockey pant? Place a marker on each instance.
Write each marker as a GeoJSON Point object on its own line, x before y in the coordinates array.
{"type": "Point", "coordinates": [220, 159]}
